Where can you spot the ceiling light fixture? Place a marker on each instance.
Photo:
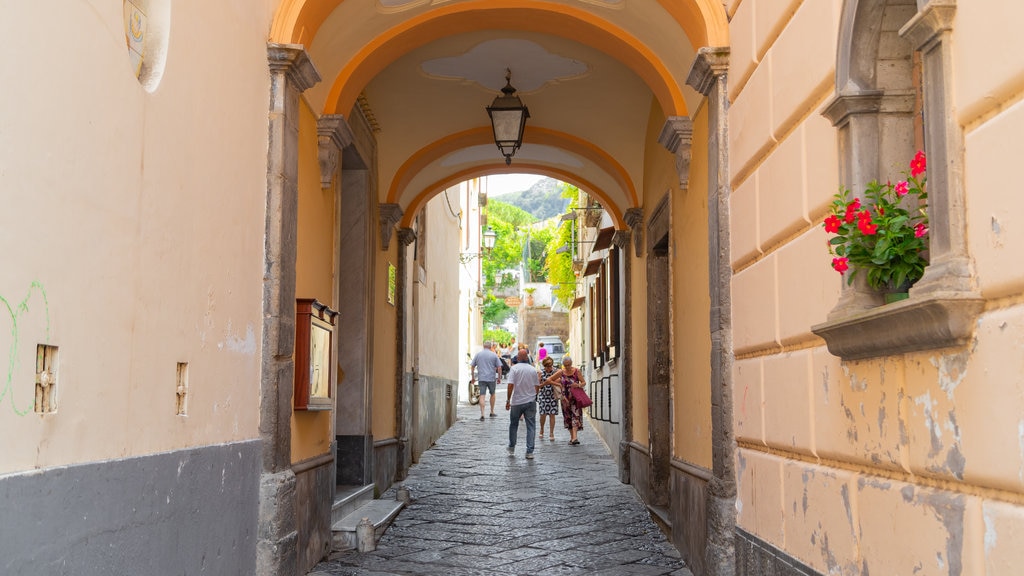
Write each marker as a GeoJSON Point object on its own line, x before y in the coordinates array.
{"type": "Point", "coordinates": [508, 119]}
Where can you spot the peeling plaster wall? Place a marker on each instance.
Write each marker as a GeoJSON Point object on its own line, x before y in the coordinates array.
{"type": "Point", "coordinates": [909, 464]}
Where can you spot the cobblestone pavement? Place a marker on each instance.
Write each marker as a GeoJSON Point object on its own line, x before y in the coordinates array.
{"type": "Point", "coordinates": [478, 511]}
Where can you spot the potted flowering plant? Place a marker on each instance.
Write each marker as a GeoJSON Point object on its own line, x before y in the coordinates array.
{"type": "Point", "coordinates": [885, 235]}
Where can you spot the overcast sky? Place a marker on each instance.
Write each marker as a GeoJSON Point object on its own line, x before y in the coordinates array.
{"type": "Point", "coordinates": [504, 183]}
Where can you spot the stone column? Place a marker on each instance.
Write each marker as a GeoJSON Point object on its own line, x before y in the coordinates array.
{"type": "Point", "coordinates": [709, 76]}
{"type": "Point", "coordinates": [677, 137]}
{"type": "Point", "coordinates": [621, 241]}
{"type": "Point", "coordinates": [950, 269]}
{"type": "Point", "coordinates": [291, 73]}
{"type": "Point", "coordinates": [403, 392]}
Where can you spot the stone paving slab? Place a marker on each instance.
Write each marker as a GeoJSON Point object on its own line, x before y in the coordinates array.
{"type": "Point", "coordinates": [477, 511]}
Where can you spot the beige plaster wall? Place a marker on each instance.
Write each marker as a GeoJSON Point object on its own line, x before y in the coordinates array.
{"type": "Point", "coordinates": [691, 305]}
{"type": "Point", "coordinates": [132, 231]}
{"type": "Point", "coordinates": [896, 465]}
{"type": "Point", "coordinates": [384, 342]}
{"type": "Point", "coordinates": [314, 274]}
{"type": "Point", "coordinates": [438, 286]}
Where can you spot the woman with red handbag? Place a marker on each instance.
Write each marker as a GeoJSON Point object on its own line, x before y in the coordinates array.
{"type": "Point", "coordinates": [574, 397]}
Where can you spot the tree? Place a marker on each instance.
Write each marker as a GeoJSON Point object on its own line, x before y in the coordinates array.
{"type": "Point", "coordinates": [559, 265]}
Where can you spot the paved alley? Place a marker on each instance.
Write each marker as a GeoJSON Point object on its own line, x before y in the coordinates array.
{"type": "Point", "coordinates": [477, 510]}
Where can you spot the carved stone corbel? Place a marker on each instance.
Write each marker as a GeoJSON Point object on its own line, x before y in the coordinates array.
{"type": "Point", "coordinates": [677, 137]}
{"type": "Point", "coordinates": [333, 134]}
{"type": "Point", "coordinates": [620, 239]}
{"type": "Point", "coordinates": [294, 62]}
{"type": "Point", "coordinates": [634, 218]}
{"type": "Point", "coordinates": [390, 214]}
{"type": "Point", "coordinates": [406, 236]}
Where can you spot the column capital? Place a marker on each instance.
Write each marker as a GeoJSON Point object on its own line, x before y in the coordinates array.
{"type": "Point", "coordinates": [406, 236]}
{"type": "Point", "coordinates": [620, 239]}
{"type": "Point", "coordinates": [842, 106]}
{"type": "Point", "coordinates": [634, 218]}
{"type": "Point", "coordinates": [677, 137]}
{"type": "Point", "coordinates": [390, 214]}
{"type": "Point", "coordinates": [710, 63]}
{"type": "Point", "coordinates": [931, 21]}
{"type": "Point", "coordinates": [333, 134]}
{"type": "Point", "coordinates": [293, 60]}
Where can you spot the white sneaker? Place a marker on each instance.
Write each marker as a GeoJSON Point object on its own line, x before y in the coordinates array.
{"type": "Point", "coordinates": [529, 455]}
{"type": "Point", "coordinates": [511, 449]}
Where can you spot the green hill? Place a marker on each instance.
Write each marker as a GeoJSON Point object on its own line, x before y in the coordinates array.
{"type": "Point", "coordinates": [543, 200]}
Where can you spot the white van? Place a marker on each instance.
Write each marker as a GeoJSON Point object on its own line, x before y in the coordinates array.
{"type": "Point", "coordinates": [554, 346]}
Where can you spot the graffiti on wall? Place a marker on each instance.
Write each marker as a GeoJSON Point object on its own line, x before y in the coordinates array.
{"type": "Point", "coordinates": [34, 300]}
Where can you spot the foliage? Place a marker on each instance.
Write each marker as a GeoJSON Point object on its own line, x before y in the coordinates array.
{"type": "Point", "coordinates": [496, 312]}
{"type": "Point", "coordinates": [535, 252]}
{"type": "Point", "coordinates": [887, 236]}
{"type": "Point", "coordinates": [502, 337]}
{"type": "Point", "coordinates": [543, 200]}
{"type": "Point", "coordinates": [559, 265]}
{"type": "Point", "coordinates": [510, 224]}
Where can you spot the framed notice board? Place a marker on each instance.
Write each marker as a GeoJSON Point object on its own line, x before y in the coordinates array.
{"type": "Point", "coordinates": [314, 343]}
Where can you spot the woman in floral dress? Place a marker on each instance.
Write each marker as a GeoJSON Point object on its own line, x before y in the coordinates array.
{"type": "Point", "coordinates": [547, 398]}
{"type": "Point", "coordinates": [572, 414]}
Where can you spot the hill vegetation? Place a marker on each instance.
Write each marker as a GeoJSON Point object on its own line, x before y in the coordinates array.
{"type": "Point", "coordinates": [543, 200]}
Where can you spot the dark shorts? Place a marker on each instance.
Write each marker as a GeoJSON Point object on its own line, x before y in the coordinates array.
{"type": "Point", "coordinates": [484, 386]}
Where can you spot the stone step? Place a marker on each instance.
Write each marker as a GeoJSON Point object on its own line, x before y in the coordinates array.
{"type": "Point", "coordinates": [380, 513]}
{"type": "Point", "coordinates": [348, 498]}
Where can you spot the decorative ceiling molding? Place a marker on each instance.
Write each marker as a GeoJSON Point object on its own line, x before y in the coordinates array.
{"type": "Point", "coordinates": [531, 64]}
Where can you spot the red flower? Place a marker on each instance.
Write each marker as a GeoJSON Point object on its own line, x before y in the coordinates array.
{"type": "Point", "coordinates": [902, 188]}
{"type": "Point", "coordinates": [851, 210]}
{"type": "Point", "coordinates": [918, 165]}
{"type": "Point", "coordinates": [840, 264]}
{"type": "Point", "coordinates": [920, 230]}
{"type": "Point", "coordinates": [832, 224]}
{"type": "Point", "coordinates": [864, 215]}
{"type": "Point", "coordinates": [867, 228]}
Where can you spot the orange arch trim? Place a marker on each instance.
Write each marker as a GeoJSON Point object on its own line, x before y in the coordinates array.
{"type": "Point", "coordinates": [482, 135]}
{"type": "Point", "coordinates": [704, 21]}
{"type": "Point", "coordinates": [530, 15]}
{"type": "Point", "coordinates": [436, 188]}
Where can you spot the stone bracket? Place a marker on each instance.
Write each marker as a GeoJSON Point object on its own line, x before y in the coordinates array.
{"type": "Point", "coordinates": [634, 218]}
{"type": "Point", "coordinates": [406, 236]}
{"type": "Point", "coordinates": [333, 135]}
{"type": "Point", "coordinates": [295, 62]}
{"type": "Point", "coordinates": [677, 137]}
{"type": "Point", "coordinates": [710, 63]}
{"type": "Point", "coordinates": [390, 214]}
{"type": "Point", "coordinates": [918, 323]}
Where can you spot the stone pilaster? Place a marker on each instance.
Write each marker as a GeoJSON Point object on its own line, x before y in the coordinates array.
{"type": "Point", "coordinates": [621, 240]}
{"type": "Point", "coordinates": [677, 137]}
{"type": "Point", "coordinates": [950, 269]}
{"type": "Point", "coordinates": [709, 75]}
{"type": "Point", "coordinates": [291, 73]}
{"type": "Point", "coordinates": [390, 214]}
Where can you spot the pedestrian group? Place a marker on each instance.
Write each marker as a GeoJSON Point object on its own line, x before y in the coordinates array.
{"type": "Point", "coordinates": [532, 391]}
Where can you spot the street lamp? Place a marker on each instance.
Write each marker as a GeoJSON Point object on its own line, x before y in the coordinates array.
{"type": "Point", "coordinates": [490, 237]}
{"type": "Point", "coordinates": [508, 119]}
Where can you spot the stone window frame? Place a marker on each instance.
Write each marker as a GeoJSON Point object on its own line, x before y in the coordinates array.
{"type": "Point", "coordinates": [873, 124]}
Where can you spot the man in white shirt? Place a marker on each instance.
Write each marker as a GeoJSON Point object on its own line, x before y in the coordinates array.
{"type": "Point", "coordinates": [523, 383]}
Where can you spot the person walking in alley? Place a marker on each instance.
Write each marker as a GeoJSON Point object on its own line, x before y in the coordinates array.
{"type": "Point", "coordinates": [488, 366]}
{"type": "Point", "coordinates": [523, 383]}
{"type": "Point", "coordinates": [549, 396]}
{"type": "Point", "coordinates": [572, 413]}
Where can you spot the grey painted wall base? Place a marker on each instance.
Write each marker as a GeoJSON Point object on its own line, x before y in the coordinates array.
{"type": "Point", "coordinates": [688, 509]}
{"type": "Point", "coordinates": [755, 557]}
{"type": "Point", "coordinates": [386, 454]}
{"type": "Point", "coordinates": [354, 463]}
{"type": "Point", "coordinates": [187, 512]}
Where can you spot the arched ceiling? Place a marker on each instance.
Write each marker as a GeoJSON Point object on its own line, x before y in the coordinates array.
{"type": "Point", "coordinates": [590, 71]}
